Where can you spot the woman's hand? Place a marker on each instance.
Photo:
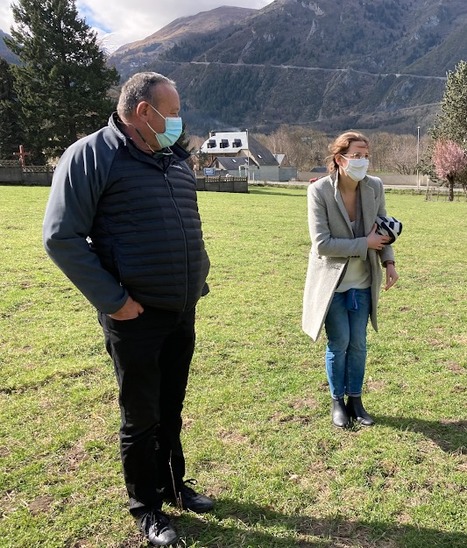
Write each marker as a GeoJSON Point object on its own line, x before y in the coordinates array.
{"type": "Point", "coordinates": [376, 241]}
{"type": "Point", "coordinates": [391, 276]}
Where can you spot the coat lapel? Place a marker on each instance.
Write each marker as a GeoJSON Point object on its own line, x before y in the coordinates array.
{"type": "Point", "coordinates": [368, 206]}
{"type": "Point", "coordinates": [340, 204]}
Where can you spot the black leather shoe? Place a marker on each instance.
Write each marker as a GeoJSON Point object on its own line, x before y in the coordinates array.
{"type": "Point", "coordinates": [339, 414]}
{"type": "Point", "coordinates": [188, 499]}
{"type": "Point", "coordinates": [156, 526]}
{"type": "Point", "coordinates": [356, 411]}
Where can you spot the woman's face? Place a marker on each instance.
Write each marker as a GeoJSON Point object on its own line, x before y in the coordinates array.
{"type": "Point", "coordinates": [356, 150]}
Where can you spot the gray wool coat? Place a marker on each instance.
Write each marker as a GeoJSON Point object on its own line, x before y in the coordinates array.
{"type": "Point", "coordinates": [333, 243]}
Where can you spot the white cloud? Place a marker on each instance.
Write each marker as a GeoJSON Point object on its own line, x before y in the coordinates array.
{"type": "Point", "coordinates": [6, 17]}
{"type": "Point", "coordinates": [123, 21]}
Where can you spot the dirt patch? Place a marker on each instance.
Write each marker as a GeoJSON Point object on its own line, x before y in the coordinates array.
{"type": "Point", "coordinates": [41, 505]}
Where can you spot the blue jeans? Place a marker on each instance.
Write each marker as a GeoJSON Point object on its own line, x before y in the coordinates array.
{"type": "Point", "coordinates": [345, 325]}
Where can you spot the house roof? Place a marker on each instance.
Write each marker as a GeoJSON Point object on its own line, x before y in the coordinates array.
{"type": "Point", "coordinates": [262, 155]}
{"type": "Point", "coordinates": [222, 143]}
{"type": "Point", "coordinates": [280, 158]}
{"type": "Point", "coordinates": [225, 142]}
{"type": "Point", "coordinates": [230, 163]}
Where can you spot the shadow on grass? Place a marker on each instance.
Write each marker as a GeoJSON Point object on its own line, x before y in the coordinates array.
{"type": "Point", "coordinates": [450, 436]}
{"type": "Point", "coordinates": [241, 525]}
{"type": "Point", "coordinates": [272, 193]}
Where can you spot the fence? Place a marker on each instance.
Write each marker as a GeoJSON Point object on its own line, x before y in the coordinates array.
{"type": "Point", "coordinates": [222, 184]}
{"type": "Point", "coordinates": [26, 175]}
{"type": "Point", "coordinates": [436, 193]}
{"type": "Point", "coordinates": [42, 176]}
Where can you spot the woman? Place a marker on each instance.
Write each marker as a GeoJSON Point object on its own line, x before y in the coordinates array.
{"type": "Point", "coordinates": [344, 270]}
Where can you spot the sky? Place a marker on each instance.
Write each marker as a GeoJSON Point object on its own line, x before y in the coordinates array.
{"type": "Point", "coordinates": [121, 22]}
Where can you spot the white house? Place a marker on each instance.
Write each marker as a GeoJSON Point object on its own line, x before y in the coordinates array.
{"type": "Point", "coordinates": [238, 153]}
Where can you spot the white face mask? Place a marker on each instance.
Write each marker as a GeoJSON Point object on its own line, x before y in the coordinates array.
{"type": "Point", "coordinates": [356, 168]}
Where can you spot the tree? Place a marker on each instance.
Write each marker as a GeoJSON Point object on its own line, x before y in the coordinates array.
{"type": "Point", "coordinates": [10, 128]}
{"type": "Point", "coordinates": [184, 141]}
{"type": "Point", "coordinates": [398, 153]}
{"type": "Point", "coordinates": [303, 147]}
{"type": "Point", "coordinates": [62, 80]}
{"type": "Point", "coordinates": [450, 162]}
{"type": "Point", "coordinates": [451, 122]}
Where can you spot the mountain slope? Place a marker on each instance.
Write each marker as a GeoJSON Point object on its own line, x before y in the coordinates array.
{"type": "Point", "coordinates": [8, 55]}
{"type": "Point", "coordinates": [329, 64]}
{"type": "Point", "coordinates": [130, 56]}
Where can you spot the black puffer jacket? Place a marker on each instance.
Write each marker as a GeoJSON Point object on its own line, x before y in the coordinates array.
{"type": "Point", "coordinates": [140, 213]}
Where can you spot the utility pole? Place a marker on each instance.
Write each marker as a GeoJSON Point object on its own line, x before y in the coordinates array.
{"type": "Point", "coordinates": [418, 155]}
{"type": "Point", "coordinates": [248, 156]}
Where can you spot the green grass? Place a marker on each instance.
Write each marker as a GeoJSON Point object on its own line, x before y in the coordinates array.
{"type": "Point", "coordinates": [257, 428]}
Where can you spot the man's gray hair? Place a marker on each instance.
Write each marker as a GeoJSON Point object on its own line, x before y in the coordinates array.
{"type": "Point", "coordinates": [140, 87]}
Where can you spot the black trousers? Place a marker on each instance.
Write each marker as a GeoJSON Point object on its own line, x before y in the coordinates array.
{"type": "Point", "coordinates": [151, 356]}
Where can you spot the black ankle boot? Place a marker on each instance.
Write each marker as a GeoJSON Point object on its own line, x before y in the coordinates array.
{"type": "Point", "coordinates": [339, 413]}
{"type": "Point", "coordinates": [356, 411]}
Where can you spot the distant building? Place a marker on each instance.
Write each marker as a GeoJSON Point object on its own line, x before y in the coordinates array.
{"type": "Point", "coordinates": [317, 172]}
{"type": "Point", "coordinates": [237, 153]}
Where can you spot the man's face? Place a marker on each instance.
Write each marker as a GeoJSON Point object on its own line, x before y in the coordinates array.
{"type": "Point", "coordinates": [166, 104]}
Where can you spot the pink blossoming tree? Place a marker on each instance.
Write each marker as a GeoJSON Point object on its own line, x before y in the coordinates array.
{"type": "Point", "coordinates": [450, 161]}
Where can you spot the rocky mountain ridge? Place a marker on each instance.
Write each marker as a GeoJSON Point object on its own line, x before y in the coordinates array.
{"type": "Point", "coordinates": [130, 57]}
{"type": "Point", "coordinates": [329, 64]}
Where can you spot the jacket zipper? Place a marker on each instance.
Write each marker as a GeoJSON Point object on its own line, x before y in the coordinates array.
{"type": "Point", "coordinates": [169, 186]}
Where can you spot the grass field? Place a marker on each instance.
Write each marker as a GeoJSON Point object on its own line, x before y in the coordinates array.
{"type": "Point", "coordinates": [257, 428]}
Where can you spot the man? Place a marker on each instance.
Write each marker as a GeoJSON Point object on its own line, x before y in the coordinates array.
{"type": "Point", "coordinates": [122, 223]}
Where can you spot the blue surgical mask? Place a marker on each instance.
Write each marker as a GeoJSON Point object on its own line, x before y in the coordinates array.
{"type": "Point", "coordinates": [173, 130]}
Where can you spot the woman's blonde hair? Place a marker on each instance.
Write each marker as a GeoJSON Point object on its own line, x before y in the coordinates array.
{"type": "Point", "coordinates": [341, 145]}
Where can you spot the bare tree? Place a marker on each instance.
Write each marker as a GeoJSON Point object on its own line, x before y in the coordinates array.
{"type": "Point", "coordinates": [199, 159]}
{"type": "Point", "coordinates": [304, 148]}
{"type": "Point", "coordinates": [398, 153]}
